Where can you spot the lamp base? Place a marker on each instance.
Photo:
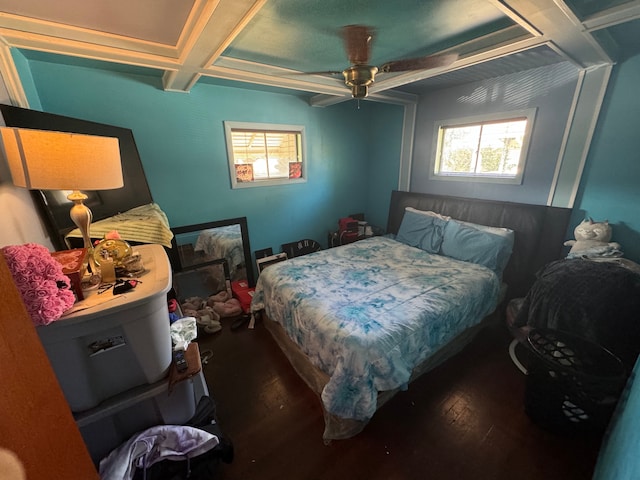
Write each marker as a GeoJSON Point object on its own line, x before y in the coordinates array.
{"type": "Point", "coordinates": [82, 216]}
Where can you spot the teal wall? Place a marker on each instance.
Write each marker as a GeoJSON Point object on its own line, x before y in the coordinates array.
{"type": "Point", "coordinates": [181, 141]}
{"type": "Point", "coordinates": [353, 151]}
{"type": "Point", "coordinates": [610, 187]}
{"type": "Point", "coordinates": [383, 160]}
{"type": "Point", "coordinates": [22, 65]}
{"type": "Point", "coordinates": [618, 458]}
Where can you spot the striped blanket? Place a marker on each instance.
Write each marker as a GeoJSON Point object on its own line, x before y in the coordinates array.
{"type": "Point", "coordinates": [144, 224]}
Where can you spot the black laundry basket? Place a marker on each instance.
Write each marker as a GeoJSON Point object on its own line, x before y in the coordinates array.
{"type": "Point", "coordinates": [572, 384]}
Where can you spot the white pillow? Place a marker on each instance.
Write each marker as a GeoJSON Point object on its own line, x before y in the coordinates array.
{"type": "Point", "coordinates": [429, 213]}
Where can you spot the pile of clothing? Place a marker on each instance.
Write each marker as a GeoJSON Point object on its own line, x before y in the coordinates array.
{"type": "Point", "coordinates": [172, 452]}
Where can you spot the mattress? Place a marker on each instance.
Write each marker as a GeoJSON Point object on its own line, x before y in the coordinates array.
{"type": "Point", "coordinates": [366, 314]}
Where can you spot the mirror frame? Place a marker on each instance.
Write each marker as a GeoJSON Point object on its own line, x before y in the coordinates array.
{"type": "Point", "coordinates": [246, 247]}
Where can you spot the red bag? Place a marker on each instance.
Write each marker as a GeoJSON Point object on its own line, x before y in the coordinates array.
{"type": "Point", "coordinates": [348, 230]}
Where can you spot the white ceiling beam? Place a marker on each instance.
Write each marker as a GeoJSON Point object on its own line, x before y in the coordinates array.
{"type": "Point", "coordinates": [388, 96]}
{"type": "Point", "coordinates": [612, 16]}
{"type": "Point", "coordinates": [283, 76]}
{"type": "Point", "coordinates": [74, 48]}
{"type": "Point", "coordinates": [323, 100]}
{"type": "Point", "coordinates": [211, 35]}
{"type": "Point", "coordinates": [556, 22]}
{"type": "Point", "coordinates": [328, 87]}
{"type": "Point", "coordinates": [11, 78]}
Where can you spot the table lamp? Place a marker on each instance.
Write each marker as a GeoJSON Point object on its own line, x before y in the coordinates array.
{"type": "Point", "coordinates": [49, 160]}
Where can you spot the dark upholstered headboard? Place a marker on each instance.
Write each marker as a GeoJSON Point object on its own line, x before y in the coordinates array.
{"type": "Point", "coordinates": [539, 230]}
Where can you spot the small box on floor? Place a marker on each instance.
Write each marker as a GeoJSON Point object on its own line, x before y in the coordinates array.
{"type": "Point", "coordinates": [243, 293]}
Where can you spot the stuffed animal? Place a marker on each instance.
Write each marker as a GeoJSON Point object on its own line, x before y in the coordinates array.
{"type": "Point", "coordinates": [593, 240]}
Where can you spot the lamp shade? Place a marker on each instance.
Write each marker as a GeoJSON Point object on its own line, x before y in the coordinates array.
{"type": "Point", "coordinates": [49, 160]}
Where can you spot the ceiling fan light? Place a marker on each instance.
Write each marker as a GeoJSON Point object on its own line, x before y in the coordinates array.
{"type": "Point", "coordinates": [359, 91]}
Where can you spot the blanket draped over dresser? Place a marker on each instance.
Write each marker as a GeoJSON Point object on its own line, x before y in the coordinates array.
{"type": "Point", "coordinates": [599, 301]}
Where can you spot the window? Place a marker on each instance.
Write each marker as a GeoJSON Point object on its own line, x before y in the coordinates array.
{"type": "Point", "coordinates": [265, 154]}
{"type": "Point", "coordinates": [487, 149]}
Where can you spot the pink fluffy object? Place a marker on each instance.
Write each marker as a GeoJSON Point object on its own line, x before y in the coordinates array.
{"type": "Point", "coordinates": [44, 288]}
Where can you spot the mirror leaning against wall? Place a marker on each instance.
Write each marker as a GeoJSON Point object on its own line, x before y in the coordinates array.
{"type": "Point", "coordinates": [207, 257]}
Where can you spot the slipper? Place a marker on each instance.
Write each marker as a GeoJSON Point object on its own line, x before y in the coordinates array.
{"type": "Point", "coordinates": [207, 316]}
{"type": "Point", "coordinates": [230, 308]}
{"type": "Point", "coordinates": [221, 296]}
{"type": "Point", "coordinates": [208, 320]}
{"type": "Point", "coordinates": [193, 303]}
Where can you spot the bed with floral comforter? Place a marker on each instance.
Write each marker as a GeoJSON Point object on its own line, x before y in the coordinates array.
{"type": "Point", "coordinates": [368, 313]}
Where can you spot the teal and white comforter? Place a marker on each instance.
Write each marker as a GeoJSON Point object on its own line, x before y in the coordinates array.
{"type": "Point", "coordinates": [367, 313]}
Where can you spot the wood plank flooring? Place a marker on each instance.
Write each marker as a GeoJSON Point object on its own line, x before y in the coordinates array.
{"type": "Point", "coordinates": [463, 420]}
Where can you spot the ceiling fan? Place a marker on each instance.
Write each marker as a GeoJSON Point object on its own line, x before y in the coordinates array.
{"type": "Point", "coordinates": [360, 75]}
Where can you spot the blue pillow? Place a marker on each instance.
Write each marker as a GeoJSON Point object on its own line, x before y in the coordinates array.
{"type": "Point", "coordinates": [488, 248]}
{"type": "Point", "coordinates": [422, 231]}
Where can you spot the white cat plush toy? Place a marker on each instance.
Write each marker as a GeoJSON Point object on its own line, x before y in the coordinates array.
{"type": "Point", "coordinates": [592, 240]}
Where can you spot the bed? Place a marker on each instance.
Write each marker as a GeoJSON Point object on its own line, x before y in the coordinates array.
{"type": "Point", "coordinates": [361, 321]}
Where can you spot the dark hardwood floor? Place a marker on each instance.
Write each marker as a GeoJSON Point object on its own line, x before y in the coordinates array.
{"type": "Point", "coordinates": [463, 420]}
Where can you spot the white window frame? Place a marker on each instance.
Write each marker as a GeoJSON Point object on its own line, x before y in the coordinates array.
{"type": "Point", "coordinates": [530, 115]}
{"type": "Point", "coordinates": [264, 127]}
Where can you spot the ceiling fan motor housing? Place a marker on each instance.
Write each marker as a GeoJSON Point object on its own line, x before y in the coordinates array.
{"type": "Point", "coordinates": [359, 77]}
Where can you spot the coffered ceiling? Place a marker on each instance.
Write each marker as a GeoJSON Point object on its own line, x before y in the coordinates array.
{"type": "Point", "coordinates": [273, 42]}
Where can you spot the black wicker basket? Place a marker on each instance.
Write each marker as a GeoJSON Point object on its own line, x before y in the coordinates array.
{"type": "Point", "coordinates": [573, 384]}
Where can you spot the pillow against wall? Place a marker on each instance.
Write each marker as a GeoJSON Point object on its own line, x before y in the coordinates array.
{"type": "Point", "coordinates": [421, 231]}
{"type": "Point", "coordinates": [484, 247]}
{"type": "Point", "coordinates": [503, 232]}
{"type": "Point", "coordinates": [427, 212]}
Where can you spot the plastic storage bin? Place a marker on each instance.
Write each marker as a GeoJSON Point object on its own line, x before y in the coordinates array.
{"type": "Point", "coordinates": [117, 419]}
{"type": "Point", "coordinates": [573, 384]}
{"type": "Point", "coordinates": [117, 344]}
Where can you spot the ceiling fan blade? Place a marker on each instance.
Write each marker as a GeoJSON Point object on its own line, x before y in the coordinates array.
{"type": "Point", "coordinates": [322, 72]}
{"type": "Point", "coordinates": [357, 42]}
{"type": "Point", "coordinates": [420, 63]}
